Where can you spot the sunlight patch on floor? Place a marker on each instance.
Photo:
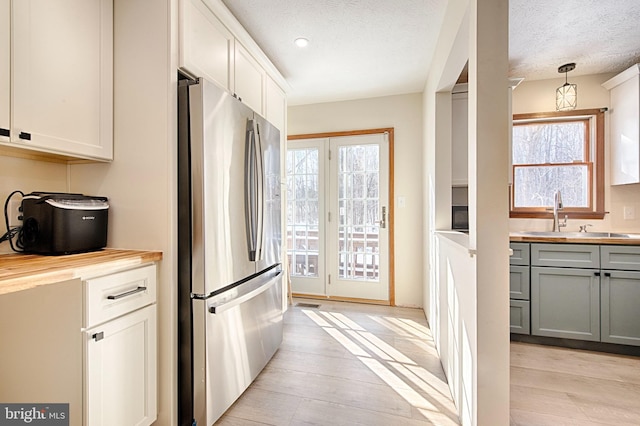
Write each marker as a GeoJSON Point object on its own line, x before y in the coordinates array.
{"type": "Point", "coordinates": [422, 389]}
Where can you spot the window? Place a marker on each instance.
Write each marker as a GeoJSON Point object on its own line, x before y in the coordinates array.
{"type": "Point", "coordinates": [558, 151]}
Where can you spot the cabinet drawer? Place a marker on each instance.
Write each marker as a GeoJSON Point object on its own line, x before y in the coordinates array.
{"type": "Point", "coordinates": [625, 258]}
{"type": "Point", "coordinates": [519, 314]}
{"type": "Point", "coordinates": [520, 254]}
{"type": "Point", "coordinates": [519, 282]}
{"type": "Point", "coordinates": [565, 255]}
{"type": "Point", "coordinates": [116, 294]}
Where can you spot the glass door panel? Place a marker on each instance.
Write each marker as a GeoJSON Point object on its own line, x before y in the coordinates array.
{"type": "Point", "coordinates": [305, 216]}
{"type": "Point", "coordinates": [358, 238]}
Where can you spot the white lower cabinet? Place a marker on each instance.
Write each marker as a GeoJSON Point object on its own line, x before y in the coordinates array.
{"type": "Point", "coordinates": [89, 343]}
{"type": "Point", "coordinates": [121, 348]}
{"type": "Point", "coordinates": [121, 370]}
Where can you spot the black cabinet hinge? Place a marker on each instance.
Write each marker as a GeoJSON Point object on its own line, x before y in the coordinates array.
{"type": "Point", "coordinates": [4, 132]}
{"type": "Point", "coordinates": [24, 135]}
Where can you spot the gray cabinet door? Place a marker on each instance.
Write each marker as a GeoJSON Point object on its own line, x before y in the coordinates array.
{"type": "Point", "coordinates": [519, 282]}
{"type": "Point", "coordinates": [565, 303]}
{"type": "Point", "coordinates": [620, 297]}
{"type": "Point", "coordinates": [520, 254]}
{"type": "Point", "coordinates": [565, 255]}
{"type": "Point", "coordinates": [519, 316]}
{"type": "Point", "coordinates": [626, 258]}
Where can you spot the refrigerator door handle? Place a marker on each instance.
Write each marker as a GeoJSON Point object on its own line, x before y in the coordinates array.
{"type": "Point", "coordinates": [219, 308]}
{"type": "Point", "coordinates": [251, 189]}
{"type": "Point", "coordinates": [260, 183]}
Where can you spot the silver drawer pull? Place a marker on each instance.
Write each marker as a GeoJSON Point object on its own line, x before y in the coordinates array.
{"type": "Point", "coordinates": [126, 293]}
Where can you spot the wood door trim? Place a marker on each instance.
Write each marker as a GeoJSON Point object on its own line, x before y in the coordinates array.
{"type": "Point", "coordinates": [391, 215]}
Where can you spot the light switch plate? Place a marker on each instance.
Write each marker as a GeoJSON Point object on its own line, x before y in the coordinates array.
{"type": "Point", "coordinates": [401, 202]}
{"type": "Point", "coordinates": [629, 213]}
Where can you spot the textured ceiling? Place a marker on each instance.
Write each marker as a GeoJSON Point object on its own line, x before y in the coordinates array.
{"type": "Point", "coordinates": [367, 48]}
{"type": "Point", "coordinates": [599, 36]}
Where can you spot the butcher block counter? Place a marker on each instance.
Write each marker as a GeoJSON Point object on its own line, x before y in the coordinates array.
{"type": "Point", "coordinates": [602, 238]}
{"type": "Point", "coordinates": [24, 271]}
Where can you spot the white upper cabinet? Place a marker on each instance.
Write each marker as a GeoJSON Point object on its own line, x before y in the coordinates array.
{"type": "Point", "coordinates": [206, 46]}
{"type": "Point", "coordinates": [5, 19]}
{"type": "Point", "coordinates": [213, 45]}
{"type": "Point", "coordinates": [250, 79]}
{"type": "Point", "coordinates": [62, 76]}
{"type": "Point", "coordinates": [625, 126]}
{"type": "Point", "coordinates": [276, 106]}
{"type": "Point", "coordinates": [459, 136]}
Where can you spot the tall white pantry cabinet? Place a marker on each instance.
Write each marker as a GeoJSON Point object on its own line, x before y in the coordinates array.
{"type": "Point", "coordinates": [56, 77]}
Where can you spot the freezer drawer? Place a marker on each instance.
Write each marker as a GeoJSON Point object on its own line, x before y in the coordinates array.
{"type": "Point", "coordinates": [239, 341]}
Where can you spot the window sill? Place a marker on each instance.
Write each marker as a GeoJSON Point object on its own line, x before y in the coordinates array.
{"type": "Point", "coordinates": [561, 214]}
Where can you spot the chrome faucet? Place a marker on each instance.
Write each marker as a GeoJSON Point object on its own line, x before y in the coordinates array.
{"type": "Point", "coordinates": [557, 205]}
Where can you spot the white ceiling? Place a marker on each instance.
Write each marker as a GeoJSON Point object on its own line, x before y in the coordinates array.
{"type": "Point", "coordinates": [367, 48]}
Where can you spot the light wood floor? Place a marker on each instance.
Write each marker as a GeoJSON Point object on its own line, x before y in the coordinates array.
{"type": "Point", "coordinates": [558, 386]}
{"type": "Point", "coordinates": [348, 364]}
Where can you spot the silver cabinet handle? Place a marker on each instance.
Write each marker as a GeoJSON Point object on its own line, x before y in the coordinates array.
{"type": "Point", "coordinates": [126, 293]}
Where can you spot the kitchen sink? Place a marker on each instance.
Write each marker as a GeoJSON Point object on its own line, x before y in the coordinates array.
{"type": "Point", "coordinates": [576, 234]}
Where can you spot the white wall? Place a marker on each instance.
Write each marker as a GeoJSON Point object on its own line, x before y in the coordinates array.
{"type": "Point", "coordinates": [472, 337]}
{"type": "Point", "coordinates": [28, 176]}
{"type": "Point", "coordinates": [539, 96]}
{"type": "Point", "coordinates": [404, 114]}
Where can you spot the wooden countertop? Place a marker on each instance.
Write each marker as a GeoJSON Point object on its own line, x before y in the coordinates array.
{"type": "Point", "coordinates": [517, 237]}
{"type": "Point", "coordinates": [23, 271]}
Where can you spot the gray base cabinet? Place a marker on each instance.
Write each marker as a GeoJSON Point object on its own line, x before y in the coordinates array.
{"type": "Point", "coordinates": [565, 303]}
{"type": "Point", "coordinates": [620, 300]}
{"type": "Point", "coordinates": [576, 291]}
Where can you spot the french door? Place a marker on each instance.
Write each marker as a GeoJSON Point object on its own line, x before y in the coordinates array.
{"type": "Point", "coordinates": [338, 216]}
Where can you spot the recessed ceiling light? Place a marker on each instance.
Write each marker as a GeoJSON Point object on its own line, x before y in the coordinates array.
{"type": "Point", "coordinates": [301, 42]}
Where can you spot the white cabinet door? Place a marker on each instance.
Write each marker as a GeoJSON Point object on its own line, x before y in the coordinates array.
{"type": "Point", "coordinates": [62, 79]}
{"type": "Point", "coordinates": [250, 79]}
{"type": "Point", "coordinates": [5, 19]}
{"type": "Point", "coordinates": [276, 106]}
{"type": "Point", "coordinates": [625, 126]}
{"type": "Point", "coordinates": [459, 139]}
{"type": "Point", "coordinates": [206, 46]}
{"type": "Point", "coordinates": [121, 370]}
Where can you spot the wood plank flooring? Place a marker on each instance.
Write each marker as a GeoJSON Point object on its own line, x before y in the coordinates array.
{"type": "Point", "coordinates": [355, 364]}
{"type": "Point", "coordinates": [349, 364]}
{"type": "Point", "coordinates": [559, 386]}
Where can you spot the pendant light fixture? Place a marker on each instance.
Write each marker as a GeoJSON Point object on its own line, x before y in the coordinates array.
{"type": "Point", "coordinates": [567, 94]}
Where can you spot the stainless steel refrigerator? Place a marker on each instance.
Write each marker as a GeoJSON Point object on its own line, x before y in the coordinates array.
{"type": "Point", "coordinates": [229, 273]}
